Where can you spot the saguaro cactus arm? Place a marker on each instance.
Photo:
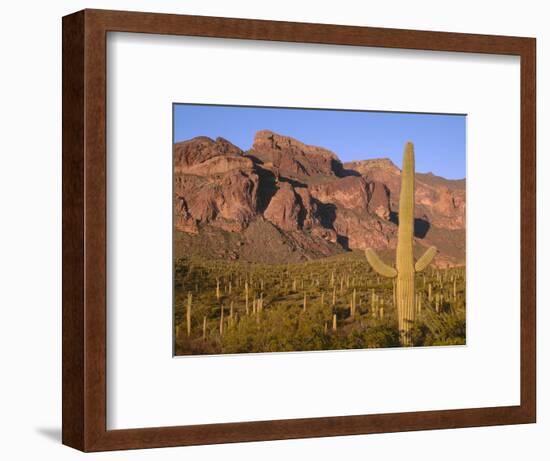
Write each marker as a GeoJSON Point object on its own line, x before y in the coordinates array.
{"type": "Point", "coordinates": [378, 265]}
{"type": "Point", "coordinates": [425, 259]}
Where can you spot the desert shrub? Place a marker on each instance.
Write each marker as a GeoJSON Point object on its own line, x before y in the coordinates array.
{"type": "Point", "coordinates": [444, 328]}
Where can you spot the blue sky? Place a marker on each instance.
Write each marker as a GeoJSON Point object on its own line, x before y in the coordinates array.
{"type": "Point", "coordinates": [439, 139]}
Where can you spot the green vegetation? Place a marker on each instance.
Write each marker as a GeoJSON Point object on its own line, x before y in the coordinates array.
{"type": "Point", "coordinates": [339, 302]}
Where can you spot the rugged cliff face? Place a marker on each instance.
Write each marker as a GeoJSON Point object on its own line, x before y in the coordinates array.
{"type": "Point", "coordinates": [284, 200]}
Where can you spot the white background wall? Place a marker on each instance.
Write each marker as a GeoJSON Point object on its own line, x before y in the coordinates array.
{"type": "Point", "coordinates": [30, 231]}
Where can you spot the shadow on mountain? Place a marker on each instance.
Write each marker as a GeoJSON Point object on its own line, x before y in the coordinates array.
{"type": "Point", "coordinates": [337, 167]}
{"type": "Point", "coordinates": [343, 241]}
{"type": "Point", "coordinates": [268, 189]}
{"type": "Point", "coordinates": [326, 213]}
{"type": "Point", "coordinates": [255, 159]}
{"type": "Point", "coordinates": [345, 172]}
{"type": "Point", "coordinates": [292, 182]}
{"type": "Point", "coordinates": [421, 226]}
{"type": "Point", "coordinates": [302, 214]}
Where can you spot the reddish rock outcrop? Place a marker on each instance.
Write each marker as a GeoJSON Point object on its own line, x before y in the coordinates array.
{"type": "Point", "coordinates": [379, 200]}
{"type": "Point", "coordinates": [440, 201]}
{"type": "Point", "coordinates": [219, 166]}
{"type": "Point", "coordinates": [442, 206]}
{"type": "Point", "coordinates": [363, 230]}
{"type": "Point", "coordinates": [292, 158]}
{"type": "Point", "coordinates": [348, 192]}
{"type": "Point", "coordinates": [184, 221]}
{"type": "Point", "coordinates": [379, 170]}
{"type": "Point", "coordinates": [285, 208]}
{"type": "Point", "coordinates": [367, 167]}
{"type": "Point", "coordinates": [227, 201]}
{"type": "Point", "coordinates": [309, 208]}
{"type": "Point", "coordinates": [200, 149]}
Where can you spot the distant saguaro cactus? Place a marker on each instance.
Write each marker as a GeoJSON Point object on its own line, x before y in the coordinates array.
{"type": "Point", "coordinates": [189, 304]}
{"type": "Point", "coordinates": [221, 321]}
{"type": "Point", "coordinates": [246, 295]}
{"type": "Point", "coordinates": [405, 268]}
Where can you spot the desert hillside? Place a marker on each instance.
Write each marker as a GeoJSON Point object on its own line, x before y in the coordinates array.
{"type": "Point", "coordinates": [286, 201]}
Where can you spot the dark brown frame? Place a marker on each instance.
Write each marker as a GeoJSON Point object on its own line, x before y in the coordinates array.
{"type": "Point", "coordinates": [84, 229]}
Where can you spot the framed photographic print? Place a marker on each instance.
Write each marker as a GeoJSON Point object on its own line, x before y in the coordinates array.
{"type": "Point", "coordinates": [280, 230]}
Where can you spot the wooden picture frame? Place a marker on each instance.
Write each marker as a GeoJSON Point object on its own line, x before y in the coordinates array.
{"type": "Point", "coordinates": [85, 221]}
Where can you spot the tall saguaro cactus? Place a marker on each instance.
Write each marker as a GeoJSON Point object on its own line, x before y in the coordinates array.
{"type": "Point", "coordinates": [405, 267]}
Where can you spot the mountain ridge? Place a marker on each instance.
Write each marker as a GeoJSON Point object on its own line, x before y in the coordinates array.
{"type": "Point", "coordinates": [228, 201]}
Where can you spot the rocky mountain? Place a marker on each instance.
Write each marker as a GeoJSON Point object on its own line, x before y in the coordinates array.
{"type": "Point", "coordinates": [284, 200]}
